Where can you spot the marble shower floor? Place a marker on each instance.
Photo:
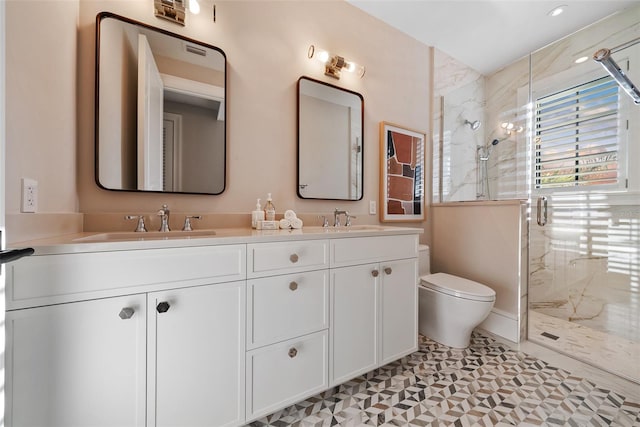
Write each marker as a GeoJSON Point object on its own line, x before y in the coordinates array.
{"type": "Point", "coordinates": [488, 384]}
{"type": "Point", "coordinates": [609, 352]}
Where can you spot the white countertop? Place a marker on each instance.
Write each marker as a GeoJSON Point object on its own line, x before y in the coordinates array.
{"type": "Point", "coordinates": [120, 241]}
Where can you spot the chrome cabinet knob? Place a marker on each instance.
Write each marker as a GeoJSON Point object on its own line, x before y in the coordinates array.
{"type": "Point", "coordinates": [375, 273]}
{"type": "Point", "coordinates": [293, 286]}
{"type": "Point", "coordinates": [293, 352]}
{"type": "Point", "coordinates": [163, 307]}
{"type": "Point", "coordinates": [387, 270]}
{"type": "Point", "coordinates": [294, 258]}
{"type": "Point", "coordinates": [126, 313]}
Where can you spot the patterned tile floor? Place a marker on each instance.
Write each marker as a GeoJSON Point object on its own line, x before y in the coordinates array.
{"type": "Point", "coordinates": [487, 384]}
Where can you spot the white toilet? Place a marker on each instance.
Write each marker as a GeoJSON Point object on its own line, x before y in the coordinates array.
{"type": "Point", "coordinates": [450, 306]}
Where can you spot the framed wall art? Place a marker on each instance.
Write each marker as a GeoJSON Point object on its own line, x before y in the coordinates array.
{"type": "Point", "coordinates": [402, 158]}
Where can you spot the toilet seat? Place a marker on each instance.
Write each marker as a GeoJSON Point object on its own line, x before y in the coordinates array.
{"type": "Point", "coordinates": [458, 287]}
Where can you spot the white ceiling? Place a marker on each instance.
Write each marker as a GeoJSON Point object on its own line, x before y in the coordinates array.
{"type": "Point", "coordinates": [489, 34]}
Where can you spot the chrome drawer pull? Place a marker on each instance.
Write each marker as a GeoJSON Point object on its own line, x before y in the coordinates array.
{"type": "Point", "coordinates": [293, 352]}
{"type": "Point", "coordinates": [126, 313]}
{"type": "Point", "coordinates": [375, 273]}
{"type": "Point", "coordinates": [293, 258]}
{"type": "Point", "coordinates": [293, 286]}
{"type": "Point", "coordinates": [387, 270]}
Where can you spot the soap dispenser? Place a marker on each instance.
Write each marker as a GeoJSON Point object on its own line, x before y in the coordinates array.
{"type": "Point", "coordinates": [257, 215]}
{"type": "Point", "coordinates": [270, 209]}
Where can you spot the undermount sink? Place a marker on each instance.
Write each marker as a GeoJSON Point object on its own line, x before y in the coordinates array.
{"type": "Point", "coordinates": [149, 235]}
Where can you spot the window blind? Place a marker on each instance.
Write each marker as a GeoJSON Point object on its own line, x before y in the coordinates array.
{"type": "Point", "coordinates": [577, 137]}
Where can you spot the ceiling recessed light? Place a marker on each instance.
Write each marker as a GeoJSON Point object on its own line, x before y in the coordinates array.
{"type": "Point", "coordinates": [557, 10]}
{"type": "Point", "coordinates": [581, 59]}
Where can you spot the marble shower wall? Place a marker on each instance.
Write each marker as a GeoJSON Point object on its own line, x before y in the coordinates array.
{"type": "Point", "coordinates": [462, 93]}
{"type": "Point", "coordinates": [507, 98]}
{"type": "Point", "coordinates": [459, 96]}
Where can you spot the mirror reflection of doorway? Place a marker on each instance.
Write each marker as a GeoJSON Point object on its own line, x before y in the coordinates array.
{"type": "Point", "coordinates": [150, 100]}
{"type": "Point", "coordinates": [172, 148]}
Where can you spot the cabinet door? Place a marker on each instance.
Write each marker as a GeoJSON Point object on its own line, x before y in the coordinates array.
{"type": "Point", "coordinates": [354, 321]}
{"type": "Point", "coordinates": [78, 364]}
{"type": "Point", "coordinates": [399, 315]}
{"type": "Point", "coordinates": [196, 356]}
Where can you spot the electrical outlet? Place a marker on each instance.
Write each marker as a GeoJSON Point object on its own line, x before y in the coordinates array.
{"type": "Point", "coordinates": [29, 195]}
{"type": "Point", "coordinates": [372, 207]}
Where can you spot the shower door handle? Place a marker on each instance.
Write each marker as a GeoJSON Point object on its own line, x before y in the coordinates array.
{"type": "Point", "coordinates": [542, 211]}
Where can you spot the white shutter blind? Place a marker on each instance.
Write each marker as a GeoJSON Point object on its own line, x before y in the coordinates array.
{"type": "Point", "coordinates": [577, 138]}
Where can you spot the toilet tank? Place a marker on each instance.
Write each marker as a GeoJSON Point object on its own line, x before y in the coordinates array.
{"type": "Point", "coordinates": [424, 265]}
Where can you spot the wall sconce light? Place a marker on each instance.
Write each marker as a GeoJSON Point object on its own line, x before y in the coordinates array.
{"type": "Point", "coordinates": [171, 10]}
{"type": "Point", "coordinates": [335, 64]}
{"type": "Point", "coordinates": [175, 10]}
{"type": "Point", "coordinates": [510, 128]}
{"type": "Point", "coordinates": [194, 7]}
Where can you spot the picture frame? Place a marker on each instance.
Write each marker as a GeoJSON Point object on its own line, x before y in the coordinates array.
{"type": "Point", "coordinates": [402, 180]}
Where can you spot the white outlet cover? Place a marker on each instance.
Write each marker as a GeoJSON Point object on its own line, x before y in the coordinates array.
{"type": "Point", "coordinates": [29, 195]}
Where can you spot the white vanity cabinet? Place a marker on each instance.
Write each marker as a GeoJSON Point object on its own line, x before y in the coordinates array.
{"type": "Point", "coordinates": [373, 303]}
{"type": "Point", "coordinates": [77, 364]}
{"type": "Point", "coordinates": [195, 360]}
{"type": "Point", "coordinates": [172, 353]}
{"type": "Point", "coordinates": [211, 332]}
{"type": "Point", "coordinates": [287, 323]}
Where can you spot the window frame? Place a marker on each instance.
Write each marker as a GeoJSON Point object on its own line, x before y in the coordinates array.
{"type": "Point", "coordinates": [573, 78]}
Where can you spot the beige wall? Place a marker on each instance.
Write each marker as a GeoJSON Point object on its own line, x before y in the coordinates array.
{"type": "Point", "coordinates": [41, 102]}
{"type": "Point", "coordinates": [266, 44]}
{"type": "Point", "coordinates": [483, 241]}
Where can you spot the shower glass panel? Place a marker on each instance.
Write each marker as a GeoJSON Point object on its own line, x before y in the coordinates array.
{"type": "Point", "coordinates": [584, 234]}
{"type": "Point", "coordinates": [479, 140]}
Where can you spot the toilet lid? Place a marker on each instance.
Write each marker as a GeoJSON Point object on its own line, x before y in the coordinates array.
{"type": "Point", "coordinates": [458, 286]}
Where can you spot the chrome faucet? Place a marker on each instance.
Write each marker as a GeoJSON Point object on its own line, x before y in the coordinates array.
{"type": "Point", "coordinates": [164, 214]}
{"type": "Point", "coordinates": [347, 222]}
{"type": "Point", "coordinates": [140, 228]}
{"type": "Point", "coordinates": [336, 216]}
{"type": "Point", "coordinates": [187, 222]}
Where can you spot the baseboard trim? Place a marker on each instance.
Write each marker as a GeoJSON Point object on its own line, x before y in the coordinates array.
{"type": "Point", "coordinates": [502, 324]}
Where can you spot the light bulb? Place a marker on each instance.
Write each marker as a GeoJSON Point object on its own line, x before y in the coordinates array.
{"type": "Point", "coordinates": [323, 56]}
{"type": "Point", "coordinates": [194, 7]}
{"type": "Point", "coordinates": [352, 67]}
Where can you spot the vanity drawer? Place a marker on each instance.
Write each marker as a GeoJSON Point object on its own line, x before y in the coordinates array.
{"type": "Point", "coordinates": [362, 250]}
{"type": "Point", "coordinates": [285, 373]}
{"type": "Point", "coordinates": [49, 279]}
{"type": "Point", "coordinates": [265, 259]}
{"type": "Point", "coordinates": [283, 307]}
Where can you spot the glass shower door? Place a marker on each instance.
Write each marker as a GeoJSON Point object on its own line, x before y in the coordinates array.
{"type": "Point", "coordinates": [584, 279]}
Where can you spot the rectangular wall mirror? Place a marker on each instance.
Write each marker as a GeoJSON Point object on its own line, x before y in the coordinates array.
{"type": "Point", "coordinates": [160, 110]}
{"type": "Point", "coordinates": [330, 148]}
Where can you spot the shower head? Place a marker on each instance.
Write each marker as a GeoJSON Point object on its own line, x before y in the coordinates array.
{"type": "Point", "coordinates": [475, 125]}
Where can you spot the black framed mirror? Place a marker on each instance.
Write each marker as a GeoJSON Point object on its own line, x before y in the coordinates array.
{"type": "Point", "coordinates": [330, 141]}
{"type": "Point", "coordinates": [160, 110]}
